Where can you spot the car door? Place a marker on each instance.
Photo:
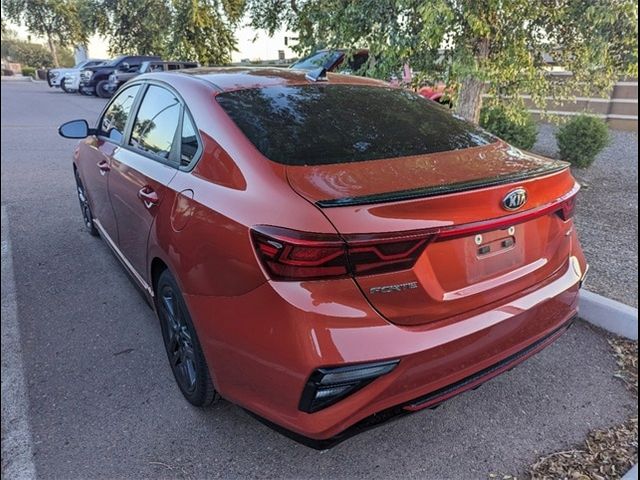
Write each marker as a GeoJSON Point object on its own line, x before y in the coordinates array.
{"type": "Point", "coordinates": [142, 170]}
{"type": "Point", "coordinates": [96, 155]}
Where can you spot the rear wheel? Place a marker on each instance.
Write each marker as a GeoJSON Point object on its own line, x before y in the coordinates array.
{"type": "Point", "coordinates": [101, 89]}
{"type": "Point", "coordinates": [181, 343]}
{"type": "Point", "coordinates": [87, 216]}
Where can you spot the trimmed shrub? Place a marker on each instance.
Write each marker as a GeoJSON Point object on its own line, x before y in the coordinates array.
{"type": "Point", "coordinates": [519, 128]}
{"type": "Point", "coordinates": [581, 139]}
{"type": "Point", "coordinates": [28, 71]}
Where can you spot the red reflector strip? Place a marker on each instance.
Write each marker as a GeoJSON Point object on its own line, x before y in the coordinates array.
{"type": "Point", "coordinates": [567, 201]}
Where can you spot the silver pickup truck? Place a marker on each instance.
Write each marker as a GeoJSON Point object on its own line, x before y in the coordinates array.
{"type": "Point", "coordinates": [117, 78]}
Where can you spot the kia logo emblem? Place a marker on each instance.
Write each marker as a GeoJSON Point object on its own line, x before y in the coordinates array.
{"type": "Point", "coordinates": [515, 199]}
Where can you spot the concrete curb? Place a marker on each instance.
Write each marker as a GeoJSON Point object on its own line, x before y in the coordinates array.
{"type": "Point", "coordinates": [14, 78]}
{"type": "Point", "coordinates": [613, 316]}
{"type": "Point", "coordinates": [631, 474]}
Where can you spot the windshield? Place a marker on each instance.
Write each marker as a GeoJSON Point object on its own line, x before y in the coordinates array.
{"type": "Point", "coordinates": [115, 61]}
{"type": "Point", "coordinates": [323, 124]}
{"type": "Point", "coordinates": [321, 59]}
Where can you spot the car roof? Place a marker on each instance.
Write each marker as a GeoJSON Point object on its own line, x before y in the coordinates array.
{"type": "Point", "coordinates": [239, 78]}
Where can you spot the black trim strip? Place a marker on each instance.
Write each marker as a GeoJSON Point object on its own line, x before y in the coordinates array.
{"type": "Point", "coordinates": [394, 413]}
{"type": "Point", "coordinates": [442, 189]}
{"type": "Point", "coordinates": [487, 371]}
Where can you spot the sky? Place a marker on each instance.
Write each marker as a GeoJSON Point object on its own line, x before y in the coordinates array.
{"type": "Point", "coordinates": [252, 44]}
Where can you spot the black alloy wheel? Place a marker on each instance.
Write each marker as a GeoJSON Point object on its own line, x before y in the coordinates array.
{"type": "Point", "coordinates": [87, 216]}
{"type": "Point", "coordinates": [181, 343]}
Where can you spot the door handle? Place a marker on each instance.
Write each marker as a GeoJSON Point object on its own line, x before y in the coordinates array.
{"type": "Point", "coordinates": [103, 166]}
{"type": "Point", "coordinates": [148, 196]}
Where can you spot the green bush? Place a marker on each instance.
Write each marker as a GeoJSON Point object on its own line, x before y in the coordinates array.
{"type": "Point", "coordinates": [28, 71]}
{"type": "Point", "coordinates": [581, 139]}
{"type": "Point", "coordinates": [517, 128]}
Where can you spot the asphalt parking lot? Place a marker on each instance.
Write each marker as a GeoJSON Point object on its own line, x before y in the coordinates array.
{"type": "Point", "coordinates": [100, 401]}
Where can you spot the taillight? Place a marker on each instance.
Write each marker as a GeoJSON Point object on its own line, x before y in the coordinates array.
{"type": "Point", "coordinates": [568, 207]}
{"type": "Point", "coordinates": [293, 255]}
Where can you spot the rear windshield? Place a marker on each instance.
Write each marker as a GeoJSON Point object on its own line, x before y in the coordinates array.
{"type": "Point", "coordinates": [321, 124]}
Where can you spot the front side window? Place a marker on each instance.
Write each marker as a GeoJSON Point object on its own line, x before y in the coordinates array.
{"type": "Point", "coordinates": [320, 124]}
{"type": "Point", "coordinates": [157, 121]}
{"type": "Point", "coordinates": [115, 117]}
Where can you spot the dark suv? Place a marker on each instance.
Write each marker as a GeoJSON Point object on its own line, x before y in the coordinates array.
{"type": "Point", "coordinates": [118, 78]}
{"type": "Point", "coordinates": [94, 80]}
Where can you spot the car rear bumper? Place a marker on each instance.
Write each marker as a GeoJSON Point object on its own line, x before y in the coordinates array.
{"type": "Point", "coordinates": [431, 400]}
{"type": "Point", "coordinates": [263, 347]}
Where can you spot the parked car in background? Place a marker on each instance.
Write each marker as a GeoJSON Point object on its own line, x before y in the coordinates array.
{"type": "Point", "coordinates": [55, 76]}
{"type": "Point", "coordinates": [333, 61]}
{"type": "Point", "coordinates": [119, 77]}
{"type": "Point", "coordinates": [94, 80]}
{"type": "Point", "coordinates": [328, 254]}
{"type": "Point", "coordinates": [437, 92]}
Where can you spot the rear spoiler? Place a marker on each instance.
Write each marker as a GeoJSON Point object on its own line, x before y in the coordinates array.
{"type": "Point", "coordinates": [450, 188]}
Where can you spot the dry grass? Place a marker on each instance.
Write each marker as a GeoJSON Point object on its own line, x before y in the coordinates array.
{"type": "Point", "coordinates": [606, 454]}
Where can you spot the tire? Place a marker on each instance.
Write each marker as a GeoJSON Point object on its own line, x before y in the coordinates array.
{"type": "Point", "coordinates": [101, 89]}
{"type": "Point", "coordinates": [64, 88]}
{"type": "Point", "coordinates": [185, 355]}
{"type": "Point", "coordinates": [87, 216]}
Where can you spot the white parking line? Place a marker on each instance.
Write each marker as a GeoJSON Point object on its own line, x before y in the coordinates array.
{"type": "Point", "coordinates": [17, 450]}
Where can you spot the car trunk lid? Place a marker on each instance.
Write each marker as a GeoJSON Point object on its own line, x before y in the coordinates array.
{"type": "Point", "coordinates": [477, 251]}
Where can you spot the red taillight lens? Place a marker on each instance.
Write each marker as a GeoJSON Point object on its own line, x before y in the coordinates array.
{"type": "Point", "coordinates": [292, 255]}
{"type": "Point", "coordinates": [568, 207]}
{"type": "Point", "coordinates": [370, 254]}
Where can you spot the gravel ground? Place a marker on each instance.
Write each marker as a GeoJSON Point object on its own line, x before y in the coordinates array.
{"type": "Point", "coordinates": [607, 215]}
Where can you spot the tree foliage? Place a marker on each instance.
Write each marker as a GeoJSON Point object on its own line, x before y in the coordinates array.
{"type": "Point", "coordinates": [58, 21]}
{"type": "Point", "coordinates": [497, 47]}
{"type": "Point", "coordinates": [34, 54]}
{"type": "Point", "coordinates": [136, 26]}
{"type": "Point", "coordinates": [199, 30]}
{"type": "Point", "coordinates": [203, 29]}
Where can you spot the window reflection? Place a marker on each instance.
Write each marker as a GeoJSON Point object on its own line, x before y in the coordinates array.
{"type": "Point", "coordinates": [115, 118]}
{"type": "Point", "coordinates": [323, 124]}
{"type": "Point", "coordinates": [157, 121]}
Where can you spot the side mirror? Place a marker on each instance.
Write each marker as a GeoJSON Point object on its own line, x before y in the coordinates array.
{"type": "Point", "coordinates": [124, 67]}
{"type": "Point", "coordinates": [75, 129]}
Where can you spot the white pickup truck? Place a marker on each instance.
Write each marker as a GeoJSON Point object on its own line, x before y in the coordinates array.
{"type": "Point", "coordinates": [56, 76]}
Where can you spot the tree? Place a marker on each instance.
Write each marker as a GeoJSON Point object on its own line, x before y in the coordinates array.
{"type": "Point", "coordinates": [25, 53]}
{"type": "Point", "coordinates": [136, 26]}
{"type": "Point", "coordinates": [498, 48]}
{"type": "Point", "coordinates": [55, 20]}
{"type": "Point", "coordinates": [199, 30]}
{"type": "Point", "coordinates": [203, 29]}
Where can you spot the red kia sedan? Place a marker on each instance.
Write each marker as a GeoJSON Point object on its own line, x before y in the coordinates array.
{"type": "Point", "coordinates": [327, 252]}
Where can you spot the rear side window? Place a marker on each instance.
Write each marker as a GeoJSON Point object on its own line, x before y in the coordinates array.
{"type": "Point", "coordinates": [323, 123]}
{"type": "Point", "coordinates": [189, 145]}
{"type": "Point", "coordinates": [115, 117]}
{"type": "Point", "coordinates": [157, 122]}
